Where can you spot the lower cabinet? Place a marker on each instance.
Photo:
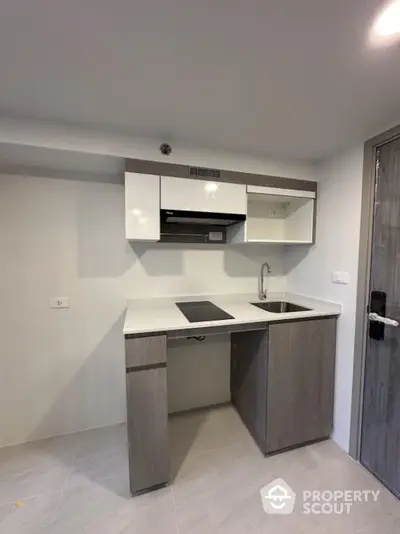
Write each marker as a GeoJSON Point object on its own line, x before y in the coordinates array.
{"type": "Point", "coordinates": [282, 385]}
{"type": "Point", "coordinates": [300, 389]}
{"type": "Point", "coordinates": [282, 380]}
{"type": "Point", "coordinates": [147, 409]}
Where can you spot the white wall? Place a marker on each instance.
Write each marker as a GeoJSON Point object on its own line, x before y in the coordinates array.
{"type": "Point", "coordinates": [336, 249]}
{"type": "Point", "coordinates": [162, 269]}
{"type": "Point", "coordinates": [63, 370]}
{"type": "Point", "coordinates": [60, 370]}
{"type": "Point", "coordinates": [198, 372]}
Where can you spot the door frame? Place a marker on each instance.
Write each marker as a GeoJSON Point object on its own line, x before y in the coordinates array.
{"type": "Point", "coordinates": [364, 270]}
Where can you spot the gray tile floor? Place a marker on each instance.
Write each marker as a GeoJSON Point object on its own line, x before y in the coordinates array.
{"type": "Point", "coordinates": [79, 484]}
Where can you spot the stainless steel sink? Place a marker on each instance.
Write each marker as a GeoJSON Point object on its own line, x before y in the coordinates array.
{"type": "Point", "coordinates": [279, 307]}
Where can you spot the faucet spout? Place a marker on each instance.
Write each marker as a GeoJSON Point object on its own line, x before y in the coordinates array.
{"type": "Point", "coordinates": [262, 294]}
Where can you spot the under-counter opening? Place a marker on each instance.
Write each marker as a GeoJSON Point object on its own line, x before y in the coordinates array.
{"type": "Point", "coordinates": [198, 373]}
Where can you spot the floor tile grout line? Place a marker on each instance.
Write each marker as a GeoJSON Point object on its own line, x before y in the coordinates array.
{"type": "Point", "coordinates": [175, 514]}
{"type": "Point", "coordinates": [219, 448]}
{"type": "Point", "coordinates": [50, 513]}
{"type": "Point", "coordinates": [25, 498]}
{"type": "Point", "coordinates": [106, 451]}
{"type": "Point", "coordinates": [42, 493]}
{"type": "Point", "coordinates": [64, 487]}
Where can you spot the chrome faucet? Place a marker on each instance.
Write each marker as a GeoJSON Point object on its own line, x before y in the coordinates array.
{"type": "Point", "coordinates": [262, 293]}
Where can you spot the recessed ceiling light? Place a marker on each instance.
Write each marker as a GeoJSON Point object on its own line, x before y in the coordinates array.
{"type": "Point", "coordinates": [388, 22]}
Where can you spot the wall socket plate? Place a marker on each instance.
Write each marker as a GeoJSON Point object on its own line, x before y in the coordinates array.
{"type": "Point", "coordinates": [340, 277]}
{"type": "Point", "coordinates": [57, 303]}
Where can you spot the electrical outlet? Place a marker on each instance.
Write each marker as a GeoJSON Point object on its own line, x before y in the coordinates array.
{"type": "Point", "coordinates": [339, 277]}
{"type": "Point", "coordinates": [57, 303]}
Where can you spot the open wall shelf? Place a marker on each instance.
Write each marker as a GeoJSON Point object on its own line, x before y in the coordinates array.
{"type": "Point", "coordinates": [276, 218]}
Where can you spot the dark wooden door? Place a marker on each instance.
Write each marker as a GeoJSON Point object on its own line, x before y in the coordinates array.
{"type": "Point", "coordinates": [301, 363]}
{"type": "Point", "coordinates": [380, 435]}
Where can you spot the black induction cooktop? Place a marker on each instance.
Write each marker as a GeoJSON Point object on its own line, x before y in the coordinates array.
{"type": "Point", "coordinates": [202, 310]}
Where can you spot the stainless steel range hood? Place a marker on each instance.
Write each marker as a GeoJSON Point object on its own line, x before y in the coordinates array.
{"type": "Point", "coordinates": [182, 226]}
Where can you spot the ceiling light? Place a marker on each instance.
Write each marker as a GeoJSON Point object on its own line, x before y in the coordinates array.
{"type": "Point", "coordinates": [388, 22]}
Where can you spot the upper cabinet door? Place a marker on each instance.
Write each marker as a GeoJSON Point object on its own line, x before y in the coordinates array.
{"type": "Point", "coordinates": [202, 195]}
{"type": "Point", "coordinates": [142, 207]}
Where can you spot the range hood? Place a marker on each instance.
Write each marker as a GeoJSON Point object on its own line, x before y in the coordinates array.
{"type": "Point", "coordinates": [201, 218]}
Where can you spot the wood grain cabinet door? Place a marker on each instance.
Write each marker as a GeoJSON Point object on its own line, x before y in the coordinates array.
{"type": "Point", "coordinates": [147, 428]}
{"type": "Point", "coordinates": [301, 361]}
{"type": "Point", "coordinates": [147, 407]}
{"type": "Point", "coordinates": [145, 351]}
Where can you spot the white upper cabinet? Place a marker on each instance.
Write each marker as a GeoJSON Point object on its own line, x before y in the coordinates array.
{"type": "Point", "coordinates": [273, 214]}
{"type": "Point", "coordinates": [142, 207]}
{"type": "Point", "coordinates": [201, 195]}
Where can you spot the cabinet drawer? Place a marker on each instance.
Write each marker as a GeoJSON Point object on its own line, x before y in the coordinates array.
{"type": "Point", "coordinates": [202, 195]}
{"type": "Point", "coordinates": [144, 351]}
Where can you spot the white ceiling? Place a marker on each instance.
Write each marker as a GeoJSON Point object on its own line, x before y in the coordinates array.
{"type": "Point", "coordinates": [288, 78]}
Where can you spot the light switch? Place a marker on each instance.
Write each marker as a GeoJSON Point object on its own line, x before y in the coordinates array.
{"type": "Point", "coordinates": [340, 277]}
{"type": "Point", "coordinates": [59, 303]}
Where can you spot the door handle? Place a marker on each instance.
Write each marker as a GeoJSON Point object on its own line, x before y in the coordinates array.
{"type": "Point", "coordinates": [384, 320]}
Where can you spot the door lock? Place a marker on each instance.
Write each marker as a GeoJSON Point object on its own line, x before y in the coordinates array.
{"type": "Point", "coordinates": [377, 308]}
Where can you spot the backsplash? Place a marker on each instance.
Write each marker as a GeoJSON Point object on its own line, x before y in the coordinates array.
{"type": "Point", "coordinates": [165, 269]}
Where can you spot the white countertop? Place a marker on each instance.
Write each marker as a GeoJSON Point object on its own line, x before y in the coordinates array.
{"type": "Point", "coordinates": [161, 314]}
